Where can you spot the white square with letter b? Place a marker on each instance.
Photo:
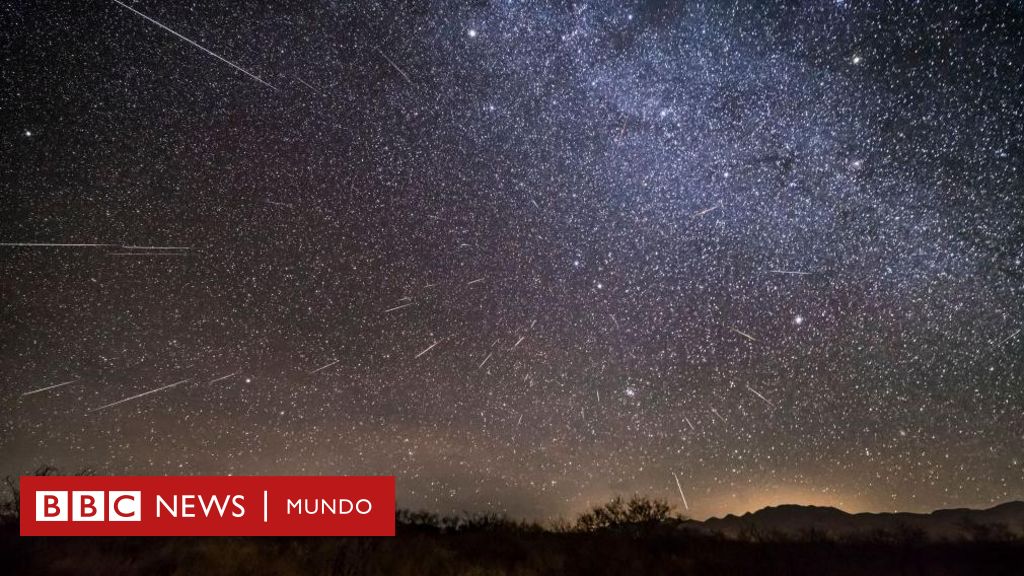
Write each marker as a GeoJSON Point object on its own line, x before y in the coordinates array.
{"type": "Point", "coordinates": [51, 506]}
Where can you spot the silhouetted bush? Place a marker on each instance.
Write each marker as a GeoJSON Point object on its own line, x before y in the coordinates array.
{"type": "Point", "coordinates": [638, 512]}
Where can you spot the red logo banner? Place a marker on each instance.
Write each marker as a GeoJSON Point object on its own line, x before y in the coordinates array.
{"type": "Point", "coordinates": [207, 505]}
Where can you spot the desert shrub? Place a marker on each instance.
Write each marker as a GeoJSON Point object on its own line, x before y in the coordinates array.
{"type": "Point", "coordinates": [638, 511]}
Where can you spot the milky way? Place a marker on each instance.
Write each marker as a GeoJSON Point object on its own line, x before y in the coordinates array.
{"type": "Point", "coordinates": [522, 256]}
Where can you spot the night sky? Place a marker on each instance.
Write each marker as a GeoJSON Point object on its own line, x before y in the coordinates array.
{"type": "Point", "coordinates": [523, 256]}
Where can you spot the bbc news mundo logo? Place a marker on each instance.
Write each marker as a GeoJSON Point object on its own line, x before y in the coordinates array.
{"type": "Point", "coordinates": [207, 506]}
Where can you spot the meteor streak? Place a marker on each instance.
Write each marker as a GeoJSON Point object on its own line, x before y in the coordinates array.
{"type": "Point", "coordinates": [156, 247]}
{"type": "Point", "coordinates": [680, 487]}
{"type": "Point", "coordinates": [215, 380]}
{"type": "Point", "coordinates": [325, 366]}
{"type": "Point", "coordinates": [44, 389]}
{"type": "Point", "coordinates": [399, 307]}
{"type": "Point", "coordinates": [144, 254]}
{"type": "Point", "coordinates": [51, 245]}
{"type": "Point", "coordinates": [128, 250]}
{"type": "Point", "coordinates": [137, 396]}
{"type": "Point", "coordinates": [745, 335]}
{"type": "Point", "coordinates": [194, 43]}
{"type": "Point", "coordinates": [395, 66]}
{"type": "Point", "coordinates": [429, 348]}
{"type": "Point", "coordinates": [761, 396]}
{"type": "Point", "coordinates": [1010, 337]}
{"type": "Point", "coordinates": [706, 210]}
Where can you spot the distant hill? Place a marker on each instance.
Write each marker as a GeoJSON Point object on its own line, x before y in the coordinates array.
{"type": "Point", "coordinates": [992, 523]}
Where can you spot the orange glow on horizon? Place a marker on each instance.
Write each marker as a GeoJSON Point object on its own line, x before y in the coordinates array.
{"type": "Point", "coordinates": [739, 503]}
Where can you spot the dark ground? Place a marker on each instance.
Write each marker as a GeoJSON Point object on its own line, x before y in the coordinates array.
{"type": "Point", "coordinates": [507, 548]}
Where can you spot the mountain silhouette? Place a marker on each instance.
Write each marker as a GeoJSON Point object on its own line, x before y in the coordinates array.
{"type": "Point", "coordinates": [1002, 521]}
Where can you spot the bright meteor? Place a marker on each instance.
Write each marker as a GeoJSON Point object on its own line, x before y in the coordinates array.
{"type": "Point", "coordinates": [196, 44]}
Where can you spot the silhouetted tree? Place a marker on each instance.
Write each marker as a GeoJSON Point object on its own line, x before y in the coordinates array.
{"type": "Point", "coordinates": [11, 506]}
{"type": "Point", "coordinates": [638, 511]}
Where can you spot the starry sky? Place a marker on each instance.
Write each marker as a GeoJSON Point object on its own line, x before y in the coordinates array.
{"type": "Point", "coordinates": [522, 255]}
